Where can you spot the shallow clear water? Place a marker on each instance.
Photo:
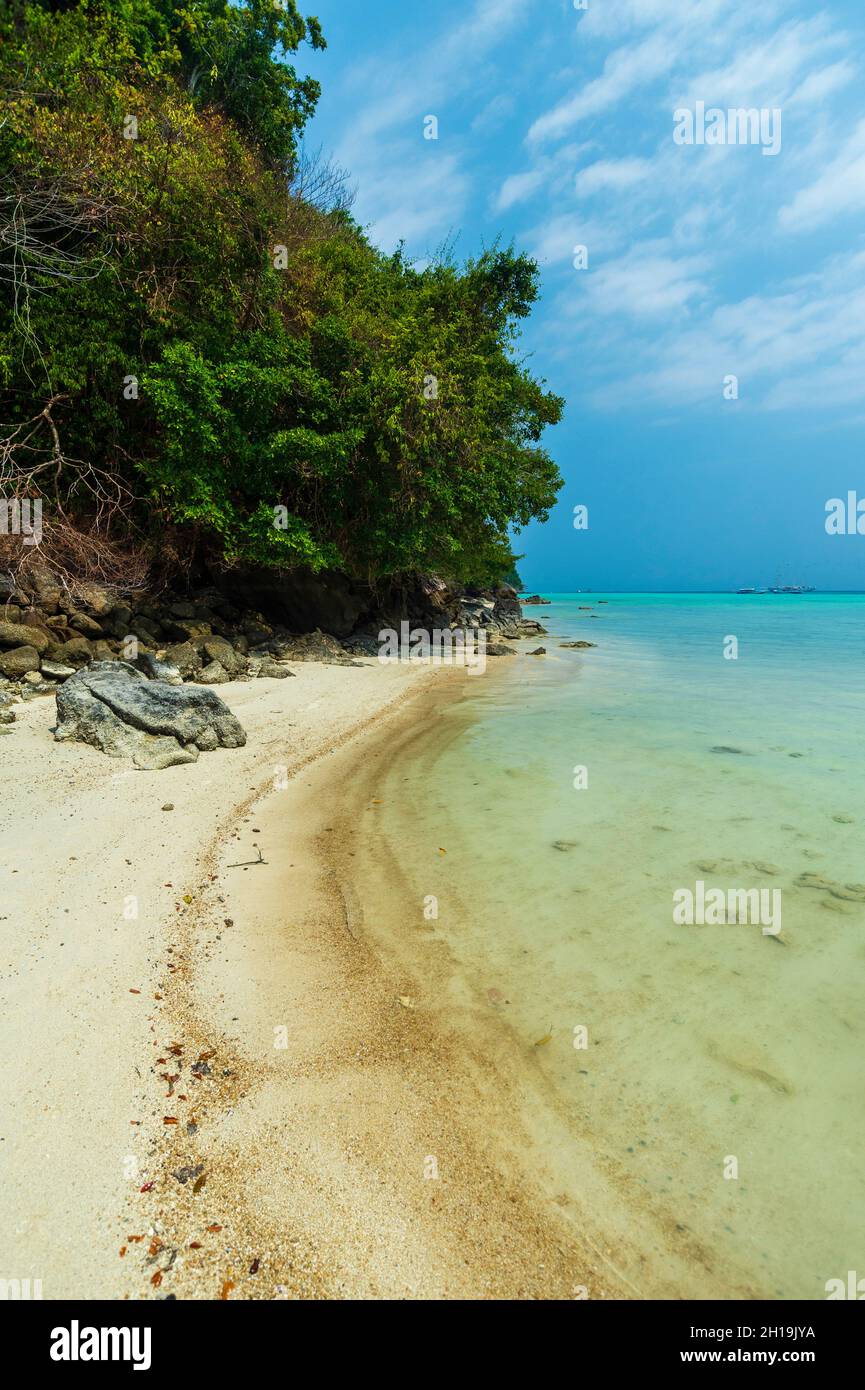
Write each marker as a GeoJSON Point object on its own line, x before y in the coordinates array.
{"type": "Point", "coordinates": [705, 1043]}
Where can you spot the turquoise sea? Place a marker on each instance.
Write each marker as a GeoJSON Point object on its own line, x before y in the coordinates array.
{"type": "Point", "coordinates": [721, 1087]}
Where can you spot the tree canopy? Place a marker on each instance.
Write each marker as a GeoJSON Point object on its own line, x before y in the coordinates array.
{"type": "Point", "coordinates": [201, 350]}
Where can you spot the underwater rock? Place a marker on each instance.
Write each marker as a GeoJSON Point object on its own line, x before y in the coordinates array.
{"type": "Point", "coordinates": [763, 867]}
{"type": "Point", "coordinates": [849, 892]}
{"type": "Point", "coordinates": [809, 880]}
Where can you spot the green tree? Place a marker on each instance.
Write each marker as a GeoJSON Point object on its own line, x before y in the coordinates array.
{"type": "Point", "coordinates": [192, 349]}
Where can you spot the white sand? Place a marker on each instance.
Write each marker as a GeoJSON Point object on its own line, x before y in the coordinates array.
{"type": "Point", "coordinates": [83, 834]}
{"type": "Point", "coordinates": [296, 1171]}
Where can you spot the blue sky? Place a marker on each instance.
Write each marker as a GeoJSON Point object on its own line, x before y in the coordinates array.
{"type": "Point", "coordinates": [704, 261]}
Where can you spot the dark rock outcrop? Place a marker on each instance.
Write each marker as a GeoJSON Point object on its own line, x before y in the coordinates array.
{"type": "Point", "coordinates": [300, 600]}
{"type": "Point", "coordinates": [241, 625]}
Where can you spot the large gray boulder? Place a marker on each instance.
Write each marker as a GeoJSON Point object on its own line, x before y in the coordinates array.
{"type": "Point", "coordinates": [112, 706]}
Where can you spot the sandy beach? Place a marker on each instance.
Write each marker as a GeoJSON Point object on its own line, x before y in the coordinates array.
{"type": "Point", "coordinates": [221, 1080]}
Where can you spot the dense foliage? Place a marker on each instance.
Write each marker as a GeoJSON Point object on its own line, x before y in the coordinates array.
{"type": "Point", "coordinates": [198, 345]}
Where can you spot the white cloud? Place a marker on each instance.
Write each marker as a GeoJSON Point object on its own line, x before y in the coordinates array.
{"type": "Point", "coordinates": [553, 172]}
{"type": "Point", "coordinates": [625, 71]}
{"type": "Point", "coordinates": [414, 197]}
{"type": "Point", "coordinates": [518, 187]}
{"type": "Point", "coordinates": [802, 345]}
{"type": "Point", "coordinates": [615, 17]}
{"type": "Point", "coordinates": [614, 174]}
{"type": "Point", "coordinates": [817, 86]}
{"type": "Point", "coordinates": [554, 240]}
{"type": "Point", "coordinates": [494, 113]}
{"type": "Point", "coordinates": [684, 236]}
{"type": "Point", "coordinates": [647, 282]}
{"type": "Point", "coordinates": [684, 282]}
{"type": "Point", "coordinates": [676, 29]}
{"type": "Point", "coordinates": [409, 187]}
{"type": "Point", "coordinates": [839, 189]}
{"type": "Point", "coordinates": [763, 73]}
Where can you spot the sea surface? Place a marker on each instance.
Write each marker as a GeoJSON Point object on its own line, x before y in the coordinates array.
{"type": "Point", "coordinates": [721, 1075]}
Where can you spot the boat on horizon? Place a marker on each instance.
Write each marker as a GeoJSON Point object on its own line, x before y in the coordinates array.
{"type": "Point", "coordinates": [781, 589]}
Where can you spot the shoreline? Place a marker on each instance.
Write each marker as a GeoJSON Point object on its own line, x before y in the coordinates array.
{"type": "Point", "coordinates": [600, 1241]}
{"type": "Point", "coordinates": [348, 1156]}
{"type": "Point", "coordinates": [156, 1142]}
{"type": "Point", "coordinates": [307, 1094]}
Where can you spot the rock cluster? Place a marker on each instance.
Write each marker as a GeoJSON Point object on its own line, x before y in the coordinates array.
{"type": "Point", "coordinates": [48, 632]}
{"type": "Point", "coordinates": [499, 614]}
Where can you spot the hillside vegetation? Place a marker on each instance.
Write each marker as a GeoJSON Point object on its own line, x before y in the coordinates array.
{"type": "Point", "coordinates": [202, 356]}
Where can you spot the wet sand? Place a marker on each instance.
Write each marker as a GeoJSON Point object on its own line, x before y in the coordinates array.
{"type": "Point", "coordinates": [356, 1129]}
